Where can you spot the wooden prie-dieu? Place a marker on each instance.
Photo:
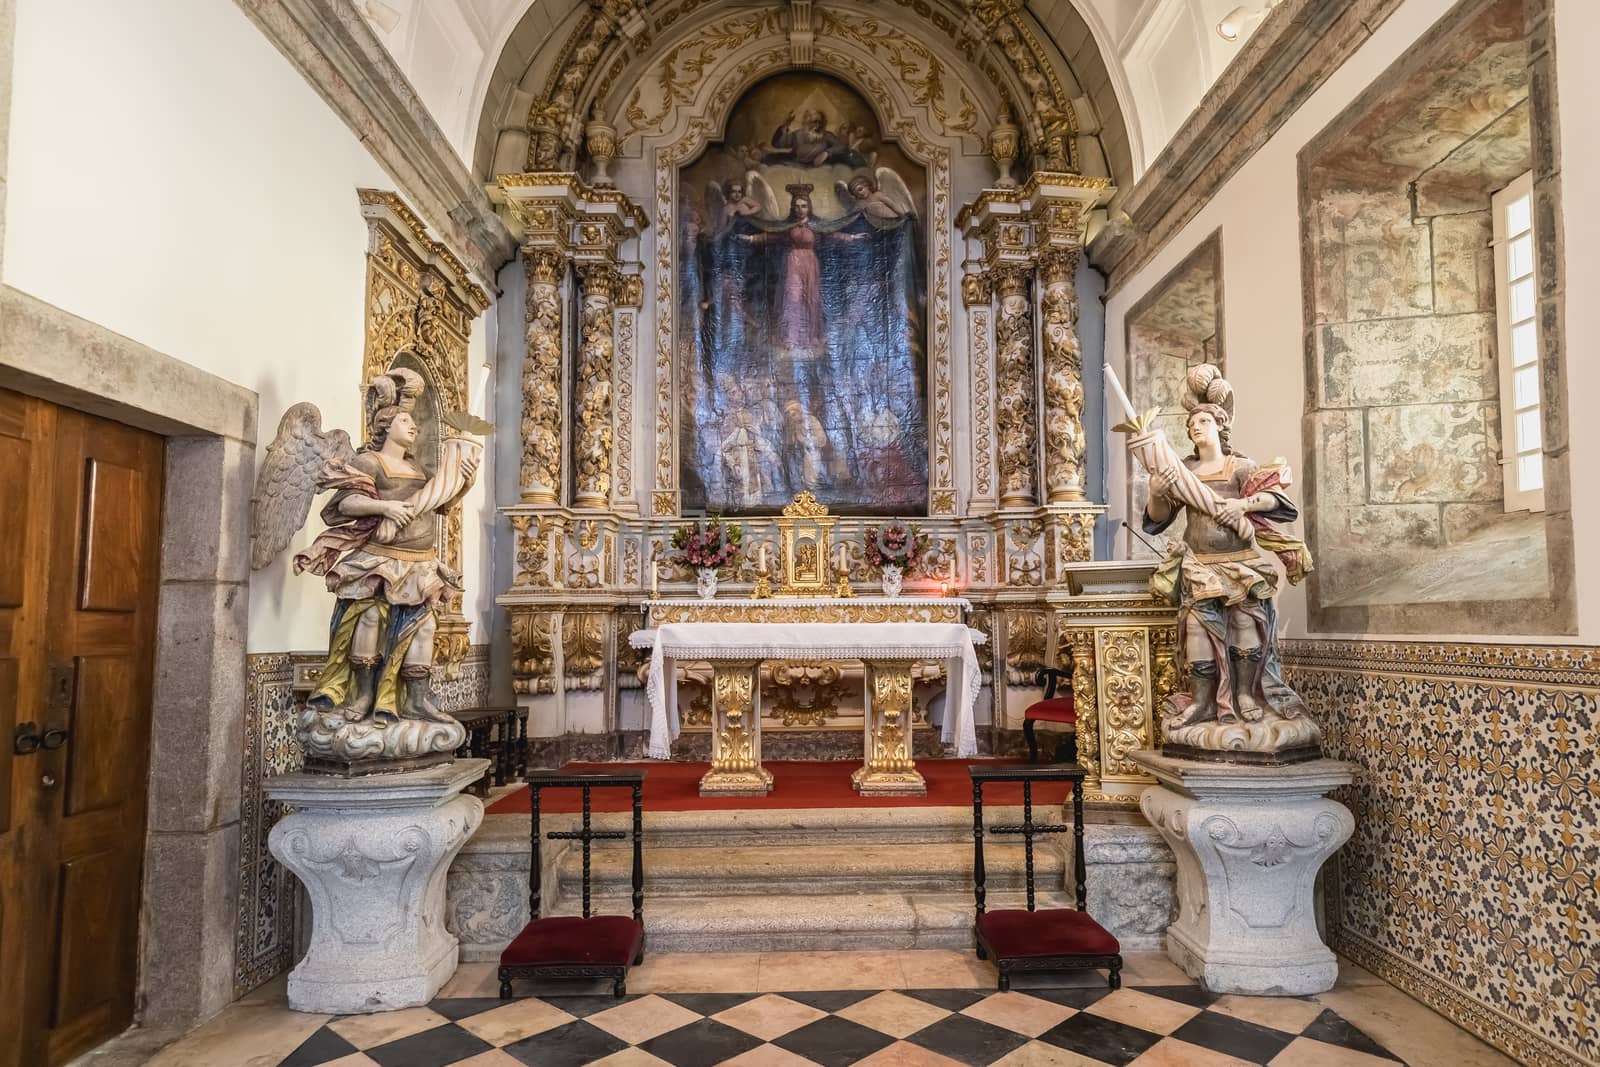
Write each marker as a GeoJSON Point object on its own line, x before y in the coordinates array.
{"type": "Point", "coordinates": [1052, 939]}
{"type": "Point", "coordinates": [573, 946]}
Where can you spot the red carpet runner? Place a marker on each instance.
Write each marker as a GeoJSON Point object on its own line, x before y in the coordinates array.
{"type": "Point", "coordinates": [796, 784]}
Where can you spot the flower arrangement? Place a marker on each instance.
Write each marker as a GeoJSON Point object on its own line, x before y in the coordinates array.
{"type": "Point", "coordinates": [707, 544]}
{"type": "Point", "coordinates": [896, 544]}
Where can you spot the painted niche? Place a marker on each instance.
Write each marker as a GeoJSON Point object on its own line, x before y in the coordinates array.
{"type": "Point", "coordinates": [802, 313]}
{"type": "Point", "coordinates": [1178, 325]}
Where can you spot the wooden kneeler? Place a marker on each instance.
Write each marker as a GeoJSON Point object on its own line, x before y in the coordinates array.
{"type": "Point", "coordinates": [1052, 939]}
{"type": "Point", "coordinates": [587, 946]}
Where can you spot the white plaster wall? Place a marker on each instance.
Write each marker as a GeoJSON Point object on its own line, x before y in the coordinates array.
{"type": "Point", "coordinates": [1257, 211]}
{"type": "Point", "coordinates": [174, 179]}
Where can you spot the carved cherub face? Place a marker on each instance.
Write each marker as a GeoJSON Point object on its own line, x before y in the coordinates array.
{"type": "Point", "coordinates": [1203, 430]}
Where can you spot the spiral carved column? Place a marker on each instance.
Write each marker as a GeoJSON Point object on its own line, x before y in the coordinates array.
{"type": "Point", "coordinates": [1015, 422]}
{"type": "Point", "coordinates": [592, 382]}
{"type": "Point", "coordinates": [1062, 378]}
{"type": "Point", "coordinates": [541, 378]}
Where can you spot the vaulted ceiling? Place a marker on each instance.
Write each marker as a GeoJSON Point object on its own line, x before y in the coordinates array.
{"type": "Point", "coordinates": [1141, 65]}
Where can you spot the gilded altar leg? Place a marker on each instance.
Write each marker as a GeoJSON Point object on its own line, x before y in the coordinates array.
{"type": "Point", "coordinates": [887, 768]}
{"type": "Point", "coordinates": [736, 732]}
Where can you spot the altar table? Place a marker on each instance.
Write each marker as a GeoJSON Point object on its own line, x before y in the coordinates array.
{"type": "Point", "coordinates": [736, 650]}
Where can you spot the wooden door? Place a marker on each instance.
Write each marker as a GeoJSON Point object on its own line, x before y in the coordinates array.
{"type": "Point", "coordinates": [80, 545]}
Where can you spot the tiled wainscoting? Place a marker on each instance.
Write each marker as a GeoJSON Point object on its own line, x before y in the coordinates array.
{"type": "Point", "coordinates": [1473, 878]}
{"type": "Point", "coordinates": [265, 931]}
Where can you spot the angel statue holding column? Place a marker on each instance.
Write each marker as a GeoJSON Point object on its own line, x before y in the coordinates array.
{"type": "Point", "coordinates": [373, 708]}
{"type": "Point", "coordinates": [1223, 576]}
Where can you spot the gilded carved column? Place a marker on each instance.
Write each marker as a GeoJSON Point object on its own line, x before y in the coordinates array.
{"type": "Point", "coordinates": [1061, 375]}
{"type": "Point", "coordinates": [593, 387]}
{"type": "Point", "coordinates": [1014, 418]}
{"type": "Point", "coordinates": [1085, 696]}
{"type": "Point", "coordinates": [630, 296]}
{"type": "Point", "coordinates": [542, 402]}
{"type": "Point", "coordinates": [978, 300]}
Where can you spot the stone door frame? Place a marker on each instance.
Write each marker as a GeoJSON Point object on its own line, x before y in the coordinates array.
{"type": "Point", "coordinates": [191, 859]}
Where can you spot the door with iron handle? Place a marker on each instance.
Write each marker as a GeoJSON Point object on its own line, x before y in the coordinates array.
{"type": "Point", "coordinates": [27, 739]}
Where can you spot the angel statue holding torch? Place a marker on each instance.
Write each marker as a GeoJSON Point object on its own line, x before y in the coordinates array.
{"type": "Point", "coordinates": [1222, 578]}
{"type": "Point", "coordinates": [372, 709]}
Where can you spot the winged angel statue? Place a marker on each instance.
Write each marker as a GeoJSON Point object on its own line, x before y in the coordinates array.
{"type": "Point", "coordinates": [372, 709]}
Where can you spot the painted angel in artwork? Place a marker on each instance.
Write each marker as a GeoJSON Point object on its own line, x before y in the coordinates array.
{"type": "Point", "coordinates": [373, 707]}
{"type": "Point", "coordinates": [882, 197]}
{"type": "Point", "coordinates": [732, 200]}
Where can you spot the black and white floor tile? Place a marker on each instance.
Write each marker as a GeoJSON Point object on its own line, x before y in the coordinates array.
{"type": "Point", "coordinates": [1149, 1026]}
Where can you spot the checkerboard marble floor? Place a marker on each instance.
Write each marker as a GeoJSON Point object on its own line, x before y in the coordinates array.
{"type": "Point", "coordinates": [906, 1009]}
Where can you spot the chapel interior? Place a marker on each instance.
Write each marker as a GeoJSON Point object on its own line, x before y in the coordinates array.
{"type": "Point", "coordinates": [782, 532]}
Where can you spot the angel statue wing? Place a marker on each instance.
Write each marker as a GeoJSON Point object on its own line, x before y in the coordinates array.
{"type": "Point", "coordinates": [893, 188]}
{"type": "Point", "coordinates": [289, 478]}
{"type": "Point", "coordinates": [762, 192]}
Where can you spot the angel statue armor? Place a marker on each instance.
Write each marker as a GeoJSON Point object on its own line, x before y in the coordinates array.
{"type": "Point", "coordinates": [372, 709]}
{"type": "Point", "coordinates": [1222, 577]}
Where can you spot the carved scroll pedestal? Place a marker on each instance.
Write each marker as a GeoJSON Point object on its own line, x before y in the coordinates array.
{"type": "Point", "coordinates": [736, 769]}
{"type": "Point", "coordinates": [1249, 841]}
{"type": "Point", "coordinates": [373, 853]}
{"type": "Point", "coordinates": [887, 768]}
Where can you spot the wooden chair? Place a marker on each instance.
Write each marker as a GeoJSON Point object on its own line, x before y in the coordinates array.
{"type": "Point", "coordinates": [587, 946]}
{"type": "Point", "coordinates": [1059, 710]}
{"type": "Point", "coordinates": [1052, 939]}
{"type": "Point", "coordinates": [493, 733]}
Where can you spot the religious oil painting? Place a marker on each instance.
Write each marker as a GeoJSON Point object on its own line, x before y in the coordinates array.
{"type": "Point", "coordinates": [803, 304]}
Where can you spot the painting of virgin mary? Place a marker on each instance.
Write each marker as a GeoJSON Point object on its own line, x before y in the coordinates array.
{"type": "Point", "coordinates": [802, 305]}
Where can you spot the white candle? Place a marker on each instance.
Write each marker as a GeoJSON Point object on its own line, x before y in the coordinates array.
{"type": "Point", "coordinates": [763, 557]}
{"type": "Point", "coordinates": [655, 577]}
{"type": "Point", "coordinates": [1117, 391]}
{"type": "Point", "coordinates": [841, 559]}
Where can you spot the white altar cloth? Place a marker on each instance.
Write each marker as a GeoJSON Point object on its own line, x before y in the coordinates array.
{"type": "Point", "coordinates": [813, 641]}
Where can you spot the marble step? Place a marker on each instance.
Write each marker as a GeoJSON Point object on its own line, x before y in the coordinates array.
{"type": "Point", "coordinates": [807, 869]}
{"type": "Point", "coordinates": [791, 923]}
{"type": "Point", "coordinates": [932, 825]}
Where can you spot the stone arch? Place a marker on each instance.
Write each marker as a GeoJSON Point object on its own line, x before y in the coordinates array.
{"type": "Point", "coordinates": [1003, 51]}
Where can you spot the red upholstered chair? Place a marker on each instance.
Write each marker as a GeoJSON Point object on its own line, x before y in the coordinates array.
{"type": "Point", "coordinates": [1059, 710]}
{"type": "Point", "coordinates": [574, 946]}
{"type": "Point", "coordinates": [1051, 939]}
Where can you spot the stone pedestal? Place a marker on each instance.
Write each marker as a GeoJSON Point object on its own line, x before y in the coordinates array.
{"type": "Point", "coordinates": [1249, 841]}
{"type": "Point", "coordinates": [373, 853]}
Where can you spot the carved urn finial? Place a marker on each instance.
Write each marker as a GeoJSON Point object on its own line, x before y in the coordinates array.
{"type": "Point", "coordinates": [601, 138]}
{"type": "Point", "coordinates": [1003, 148]}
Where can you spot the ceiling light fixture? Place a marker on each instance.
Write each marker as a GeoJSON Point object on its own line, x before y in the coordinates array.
{"type": "Point", "coordinates": [1243, 19]}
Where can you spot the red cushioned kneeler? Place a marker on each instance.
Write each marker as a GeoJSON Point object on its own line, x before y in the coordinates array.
{"type": "Point", "coordinates": [573, 941]}
{"type": "Point", "coordinates": [1047, 932]}
{"type": "Point", "coordinates": [579, 946]}
{"type": "Point", "coordinates": [1047, 939]}
{"type": "Point", "coordinates": [1060, 710]}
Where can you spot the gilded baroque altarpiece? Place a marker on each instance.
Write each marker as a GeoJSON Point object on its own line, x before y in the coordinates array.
{"type": "Point", "coordinates": [617, 189]}
{"type": "Point", "coordinates": [420, 304]}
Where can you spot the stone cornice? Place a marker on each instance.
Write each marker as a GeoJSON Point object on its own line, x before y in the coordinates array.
{"type": "Point", "coordinates": [1296, 49]}
{"type": "Point", "coordinates": [336, 51]}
